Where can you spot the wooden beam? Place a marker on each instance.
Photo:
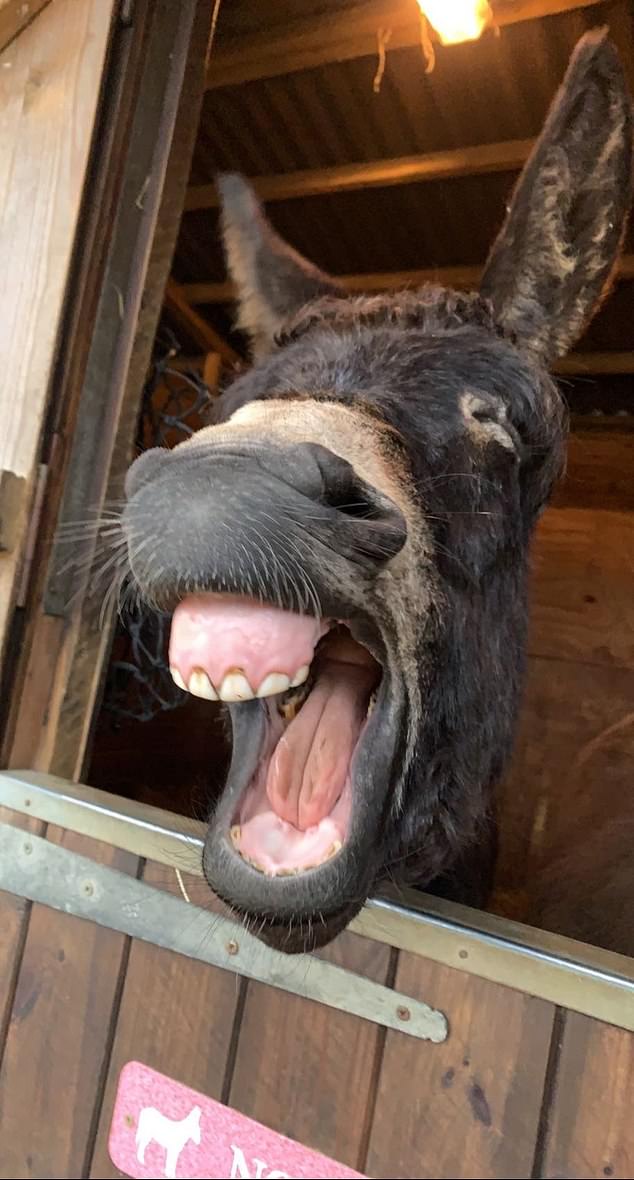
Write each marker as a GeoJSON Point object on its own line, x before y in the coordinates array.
{"type": "Point", "coordinates": [15, 15]}
{"type": "Point", "coordinates": [341, 36]}
{"type": "Point", "coordinates": [459, 277]}
{"type": "Point", "coordinates": [583, 364]}
{"type": "Point", "coordinates": [590, 364]}
{"type": "Point", "coordinates": [468, 161]}
{"type": "Point", "coordinates": [449, 276]}
{"type": "Point", "coordinates": [211, 371]}
{"type": "Point", "coordinates": [178, 304]}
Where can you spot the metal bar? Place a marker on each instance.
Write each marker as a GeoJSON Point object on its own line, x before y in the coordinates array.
{"type": "Point", "coordinates": [568, 973]}
{"type": "Point", "coordinates": [47, 873]}
{"type": "Point", "coordinates": [145, 831]}
{"type": "Point", "coordinates": [583, 978]}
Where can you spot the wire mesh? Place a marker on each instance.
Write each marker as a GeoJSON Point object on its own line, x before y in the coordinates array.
{"type": "Point", "coordinates": [175, 402]}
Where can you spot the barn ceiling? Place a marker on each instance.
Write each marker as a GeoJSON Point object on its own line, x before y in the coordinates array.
{"type": "Point", "coordinates": [412, 178]}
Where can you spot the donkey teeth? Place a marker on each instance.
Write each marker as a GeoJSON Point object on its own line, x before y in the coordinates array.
{"type": "Point", "coordinates": [274, 684]}
{"type": "Point", "coordinates": [200, 685]}
{"type": "Point", "coordinates": [288, 707]}
{"type": "Point", "coordinates": [178, 679]}
{"type": "Point", "coordinates": [337, 846]}
{"type": "Point", "coordinates": [236, 687]}
{"type": "Point", "coordinates": [300, 676]}
{"type": "Point", "coordinates": [235, 833]}
{"type": "Point", "coordinates": [371, 704]}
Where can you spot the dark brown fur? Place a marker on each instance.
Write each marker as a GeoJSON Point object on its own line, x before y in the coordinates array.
{"type": "Point", "coordinates": [399, 449]}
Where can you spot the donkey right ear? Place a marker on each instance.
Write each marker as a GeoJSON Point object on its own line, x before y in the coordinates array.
{"type": "Point", "coordinates": [273, 281]}
{"type": "Point", "coordinates": [554, 256]}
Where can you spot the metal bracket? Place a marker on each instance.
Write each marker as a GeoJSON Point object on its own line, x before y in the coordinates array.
{"type": "Point", "coordinates": [32, 867]}
{"type": "Point", "coordinates": [586, 979]}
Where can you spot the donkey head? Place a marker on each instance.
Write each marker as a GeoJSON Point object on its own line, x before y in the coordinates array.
{"type": "Point", "coordinates": [345, 550]}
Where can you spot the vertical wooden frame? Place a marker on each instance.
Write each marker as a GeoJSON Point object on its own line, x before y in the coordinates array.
{"type": "Point", "coordinates": [51, 76]}
{"type": "Point", "coordinates": [132, 212]}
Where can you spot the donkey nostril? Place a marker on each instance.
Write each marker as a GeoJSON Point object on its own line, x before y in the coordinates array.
{"type": "Point", "coordinates": [359, 508]}
{"type": "Point", "coordinates": [143, 470]}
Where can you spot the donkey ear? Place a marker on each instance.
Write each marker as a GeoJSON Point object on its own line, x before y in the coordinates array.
{"type": "Point", "coordinates": [273, 281]}
{"type": "Point", "coordinates": [554, 256]}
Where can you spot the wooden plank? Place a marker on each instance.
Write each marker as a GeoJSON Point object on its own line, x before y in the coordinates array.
{"type": "Point", "coordinates": [176, 1016]}
{"type": "Point", "coordinates": [141, 232]}
{"type": "Point", "coordinates": [311, 182]}
{"type": "Point", "coordinates": [596, 364]}
{"type": "Point", "coordinates": [582, 607]}
{"type": "Point", "coordinates": [575, 364]}
{"type": "Point", "coordinates": [591, 1130]}
{"type": "Point", "coordinates": [447, 276]}
{"type": "Point", "coordinates": [15, 15]}
{"type": "Point", "coordinates": [58, 1035]}
{"type": "Point", "coordinates": [569, 779]}
{"type": "Point", "coordinates": [14, 916]}
{"type": "Point", "coordinates": [342, 35]}
{"type": "Point", "coordinates": [307, 1071]}
{"type": "Point", "coordinates": [178, 304]}
{"type": "Point", "coordinates": [599, 470]}
{"type": "Point", "coordinates": [469, 1107]}
{"type": "Point", "coordinates": [211, 371]}
{"type": "Point", "coordinates": [50, 80]}
{"type": "Point", "coordinates": [36, 673]}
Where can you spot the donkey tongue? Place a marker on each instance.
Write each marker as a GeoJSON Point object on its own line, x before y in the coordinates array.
{"type": "Point", "coordinates": [311, 762]}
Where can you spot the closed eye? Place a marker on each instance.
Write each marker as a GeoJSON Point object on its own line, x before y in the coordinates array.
{"type": "Point", "coordinates": [482, 415]}
{"type": "Point", "coordinates": [487, 421]}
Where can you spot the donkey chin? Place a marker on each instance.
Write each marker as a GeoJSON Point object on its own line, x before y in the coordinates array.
{"type": "Point", "coordinates": [345, 549]}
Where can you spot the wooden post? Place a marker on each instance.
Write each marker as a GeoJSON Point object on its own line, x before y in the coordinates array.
{"type": "Point", "coordinates": [50, 81]}
{"type": "Point", "coordinates": [149, 141]}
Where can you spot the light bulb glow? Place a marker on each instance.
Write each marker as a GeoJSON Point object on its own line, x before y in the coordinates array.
{"type": "Point", "coordinates": [457, 20]}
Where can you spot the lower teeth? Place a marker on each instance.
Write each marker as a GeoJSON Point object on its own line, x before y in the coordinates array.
{"type": "Point", "coordinates": [371, 704]}
{"type": "Point", "coordinates": [289, 707]}
{"type": "Point", "coordinates": [235, 839]}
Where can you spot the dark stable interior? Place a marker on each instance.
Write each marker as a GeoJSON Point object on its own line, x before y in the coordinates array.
{"type": "Point", "coordinates": [566, 810]}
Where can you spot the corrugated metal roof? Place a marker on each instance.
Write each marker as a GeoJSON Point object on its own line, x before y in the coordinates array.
{"type": "Point", "coordinates": [496, 89]}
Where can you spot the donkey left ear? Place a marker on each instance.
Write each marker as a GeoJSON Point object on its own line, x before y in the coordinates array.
{"type": "Point", "coordinates": [273, 281]}
{"type": "Point", "coordinates": [554, 256]}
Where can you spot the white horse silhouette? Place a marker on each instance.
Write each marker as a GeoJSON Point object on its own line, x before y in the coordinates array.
{"type": "Point", "coordinates": [171, 1134]}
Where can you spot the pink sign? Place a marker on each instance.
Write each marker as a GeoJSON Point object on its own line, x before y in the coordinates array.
{"type": "Point", "coordinates": [160, 1128]}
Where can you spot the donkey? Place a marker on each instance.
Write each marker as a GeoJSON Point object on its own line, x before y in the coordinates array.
{"type": "Point", "coordinates": [345, 549]}
{"type": "Point", "coordinates": [173, 1135]}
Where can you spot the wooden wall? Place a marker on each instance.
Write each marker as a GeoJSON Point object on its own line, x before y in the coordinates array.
{"type": "Point", "coordinates": [519, 1088]}
{"type": "Point", "coordinates": [50, 80]}
{"type": "Point", "coordinates": [567, 799]}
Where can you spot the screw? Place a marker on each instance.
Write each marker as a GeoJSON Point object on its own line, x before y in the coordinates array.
{"type": "Point", "coordinates": [463, 954]}
{"type": "Point", "coordinates": [27, 848]}
{"type": "Point", "coordinates": [233, 947]}
{"type": "Point", "coordinates": [88, 888]}
{"type": "Point", "coordinates": [27, 802]}
{"type": "Point", "coordinates": [403, 1013]}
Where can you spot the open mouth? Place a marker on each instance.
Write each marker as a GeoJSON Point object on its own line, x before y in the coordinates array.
{"type": "Point", "coordinates": [317, 686]}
